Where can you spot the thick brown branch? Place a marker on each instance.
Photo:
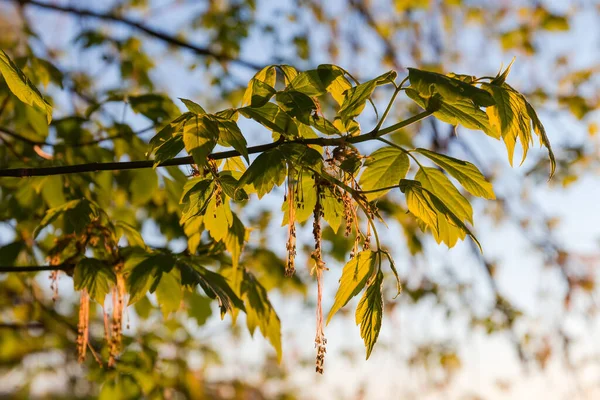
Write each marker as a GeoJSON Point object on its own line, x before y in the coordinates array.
{"type": "Point", "coordinates": [171, 40]}
{"type": "Point", "coordinates": [116, 166]}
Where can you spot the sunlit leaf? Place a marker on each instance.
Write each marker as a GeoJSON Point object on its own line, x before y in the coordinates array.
{"type": "Point", "coordinates": [369, 312]}
{"type": "Point", "coordinates": [355, 274]}
{"type": "Point", "coordinates": [22, 87]}
{"type": "Point", "coordinates": [384, 167]}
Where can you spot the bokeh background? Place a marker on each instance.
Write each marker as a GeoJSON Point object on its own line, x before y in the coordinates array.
{"type": "Point", "coordinates": [519, 321]}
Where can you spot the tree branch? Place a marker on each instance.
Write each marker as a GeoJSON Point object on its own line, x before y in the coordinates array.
{"type": "Point", "coordinates": [36, 268]}
{"type": "Point", "coordinates": [171, 40]}
{"type": "Point", "coordinates": [116, 166]}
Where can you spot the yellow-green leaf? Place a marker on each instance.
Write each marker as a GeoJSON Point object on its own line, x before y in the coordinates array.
{"type": "Point", "coordinates": [369, 313]}
{"type": "Point", "coordinates": [22, 87]}
{"type": "Point", "coordinates": [355, 274]}
{"type": "Point", "coordinates": [436, 182]}
{"type": "Point", "coordinates": [464, 172]}
{"type": "Point", "coordinates": [384, 167]}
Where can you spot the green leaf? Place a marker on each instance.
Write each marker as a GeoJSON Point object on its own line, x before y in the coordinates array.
{"type": "Point", "coordinates": [133, 235]}
{"type": "Point", "coordinates": [260, 313]}
{"type": "Point", "coordinates": [289, 72]}
{"type": "Point", "coordinates": [357, 97]}
{"type": "Point", "coordinates": [323, 125]}
{"type": "Point", "coordinates": [234, 240]}
{"type": "Point", "coordinates": [384, 167]}
{"type": "Point", "coordinates": [260, 88]}
{"type": "Point", "coordinates": [369, 313]}
{"type": "Point", "coordinates": [317, 82]}
{"type": "Point", "coordinates": [267, 170]}
{"type": "Point", "coordinates": [147, 274]}
{"type": "Point", "coordinates": [200, 135]}
{"type": "Point", "coordinates": [214, 285]}
{"type": "Point", "coordinates": [52, 191]}
{"type": "Point", "coordinates": [464, 172]}
{"type": "Point", "coordinates": [296, 104]}
{"type": "Point", "coordinates": [333, 209]}
{"type": "Point", "coordinates": [436, 182]}
{"type": "Point", "coordinates": [94, 276]}
{"type": "Point", "coordinates": [218, 219]}
{"type": "Point", "coordinates": [143, 185]}
{"type": "Point", "coordinates": [355, 274]}
{"type": "Point", "coordinates": [231, 135]}
{"type": "Point", "coordinates": [305, 201]}
{"type": "Point", "coordinates": [156, 107]}
{"type": "Point", "coordinates": [461, 111]}
{"type": "Point", "coordinates": [198, 307]}
{"type": "Point", "coordinates": [196, 194]}
{"type": "Point", "coordinates": [272, 117]}
{"type": "Point", "coordinates": [168, 149]}
{"type": "Point", "coordinates": [450, 89]}
{"type": "Point", "coordinates": [193, 107]}
{"type": "Point", "coordinates": [231, 188]}
{"type": "Point", "coordinates": [435, 214]}
{"type": "Point", "coordinates": [77, 215]}
{"type": "Point", "coordinates": [539, 130]}
{"type": "Point", "coordinates": [168, 292]}
{"type": "Point", "coordinates": [22, 87]}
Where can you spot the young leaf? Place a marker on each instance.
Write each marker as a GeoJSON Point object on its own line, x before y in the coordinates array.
{"type": "Point", "coordinates": [384, 167]}
{"type": "Point", "coordinates": [260, 88]}
{"type": "Point", "coordinates": [231, 188]}
{"type": "Point", "coordinates": [196, 194]}
{"type": "Point", "coordinates": [369, 313]}
{"type": "Point", "coordinates": [296, 104]}
{"type": "Point", "coordinates": [168, 292]}
{"type": "Point", "coordinates": [218, 219]}
{"type": "Point", "coordinates": [435, 214]}
{"type": "Point", "coordinates": [200, 135]}
{"type": "Point", "coordinates": [155, 107]}
{"type": "Point", "coordinates": [272, 117]}
{"type": "Point", "coordinates": [306, 199]}
{"type": "Point", "coordinates": [133, 235]}
{"type": "Point", "coordinates": [357, 97]}
{"type": "Point", "coordinates": [450, 89]}
{"type": "Point", "coordinates": [214, 285]}
{"type": "Point", "coordinates": [193, 107]}
{"type": "Point", "coordinates": [464, 172]}
{"type": "Point", "coordinates": [461, 111]}
{"type": "Point", "coordinates": [355, 274]}
{"type": "Point", "coordinates": [168, 149]}
{"type": "Point", "coordinates": [436, 182]}
{"type": "Point", "coordinates": [147, 274]}
{"type": "Point", "coordinates": [289, 72]}
{"type": "Point", "coordinates": [317, 82]}
{"type": "Point", "coordinates": [231, 135]}
{"type": "Point", "coordinates": [234, 240]}
{"type": "Point", "coordinates": [260, 312]}
{"type": "Point", "coordinates": [22, 87]}
{"type": "Point", "coordinates": [94, 276]}
{"type": "Point", "coordinates": [267, 170]}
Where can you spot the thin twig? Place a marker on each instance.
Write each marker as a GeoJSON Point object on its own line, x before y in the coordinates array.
{"type": "Point", "coordinates": [171, 40]}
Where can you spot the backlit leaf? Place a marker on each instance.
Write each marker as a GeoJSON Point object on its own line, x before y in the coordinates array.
{"type": "Point", "coordinates": [464, 172]}
{"type": "Point", "coordinates": [384, 167]}
{"type": "Point", "coordinates": [450, 89]}
{"type": "Point", "coordinates": [22, 87]}
{"type": "Point", "coordinates": [260, 313]}
{"type": "Point", "coordinates": [94, 276]}
{"type": "Point", "coordinates": [369, 313]}
{"type": "Point", "coordinates": [355, 274]}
